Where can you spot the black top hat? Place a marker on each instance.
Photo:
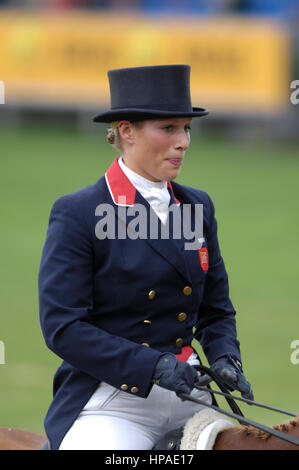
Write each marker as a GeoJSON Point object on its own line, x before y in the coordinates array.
{"type": "Point", "coordinates": [150, 92]}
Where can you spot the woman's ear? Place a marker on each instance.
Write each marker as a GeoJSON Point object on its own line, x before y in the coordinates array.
{"type": "Point", "coordinates": [126, 131]}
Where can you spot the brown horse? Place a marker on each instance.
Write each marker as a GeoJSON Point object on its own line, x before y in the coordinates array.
{"type": "Point", "coordinates": [17, 439]}
{"type": "Point", "coordinates": [233, 438]}
{"type": "Point", "coordinates": [249, 438]}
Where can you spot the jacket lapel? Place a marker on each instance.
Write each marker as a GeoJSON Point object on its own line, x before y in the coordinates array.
{"type": "Point", "coordinates": [134, 212]}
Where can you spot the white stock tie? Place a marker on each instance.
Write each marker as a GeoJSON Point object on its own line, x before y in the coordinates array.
{"type": "Point", "coordinates": [159, 200]}
{"type": "Point", "coordinates": [156, 193]}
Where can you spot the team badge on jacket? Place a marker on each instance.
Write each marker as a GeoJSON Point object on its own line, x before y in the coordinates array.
{"type": "Point", "coordinates": [204, 258]}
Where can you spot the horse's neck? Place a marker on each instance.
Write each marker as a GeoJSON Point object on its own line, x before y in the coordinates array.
{"type": "Point", "coordinates": [17, 439]}
{"type": "Point", "coordinates": [236, 438]}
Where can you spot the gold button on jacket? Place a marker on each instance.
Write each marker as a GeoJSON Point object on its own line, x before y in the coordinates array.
{"type": "Point", "coordinates": [182, 316]}
{"type": "Point", "coordinates": [187, 290]}
{"type": "Point", "coordinates": [134, 389]}
{"type": "Point", "coordinates": [124, 387]}
{"type": "Point", "coordinates": [179, 342]}
{"type": "Point", "coordinates": [151, 294]}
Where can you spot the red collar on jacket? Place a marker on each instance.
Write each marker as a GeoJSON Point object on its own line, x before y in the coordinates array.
{"type": "Point", "coordinates": [122, 191]}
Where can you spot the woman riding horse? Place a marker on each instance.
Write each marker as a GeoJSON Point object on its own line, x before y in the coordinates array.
{"type": "Point", "coordinates": [123, 296]}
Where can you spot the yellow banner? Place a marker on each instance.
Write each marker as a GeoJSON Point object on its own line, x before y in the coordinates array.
{"type": "Point", "coordinates": [238, 65]}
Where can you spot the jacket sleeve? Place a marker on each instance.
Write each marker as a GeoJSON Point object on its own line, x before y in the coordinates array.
{"type": "Point", "coordinates": [66, 301]}
{"type": "Point", "coordinates": [216, 326]}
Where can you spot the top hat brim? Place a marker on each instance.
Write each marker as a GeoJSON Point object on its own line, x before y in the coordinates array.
{"type": "Point", "coordinates": [137, 114]}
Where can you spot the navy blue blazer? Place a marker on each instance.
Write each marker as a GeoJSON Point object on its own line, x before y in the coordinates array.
{"type": "Point", "coordinates": [110, 307]}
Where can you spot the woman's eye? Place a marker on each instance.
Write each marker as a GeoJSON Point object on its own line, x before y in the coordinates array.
{"type": "Point", "coordinates": [187, 128]}
{"type": "Point", "coordinates": [167, 128]}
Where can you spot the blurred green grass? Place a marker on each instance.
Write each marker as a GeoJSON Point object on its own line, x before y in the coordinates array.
{"type": "Point", "coordinates": [254, 186]}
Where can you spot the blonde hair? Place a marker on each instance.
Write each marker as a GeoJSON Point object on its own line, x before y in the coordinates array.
{"type": "Point", "coordinates": [113, 137]}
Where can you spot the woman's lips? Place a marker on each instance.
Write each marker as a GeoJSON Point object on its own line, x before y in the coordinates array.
{"type": "Point", "coordinates": [175, 161]}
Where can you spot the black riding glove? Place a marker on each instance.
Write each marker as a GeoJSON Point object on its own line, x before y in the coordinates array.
{"type": "Point", "coordinates": [176, 375]}
{"type": "Point", "coordinates": [229, 370]}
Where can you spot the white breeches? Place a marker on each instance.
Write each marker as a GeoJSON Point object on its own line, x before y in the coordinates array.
{"type": "Point", "coordinates": [116, 420]}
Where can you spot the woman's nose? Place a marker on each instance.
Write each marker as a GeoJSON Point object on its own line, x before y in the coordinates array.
{"type": "Point", "coordinates": [183, 140]}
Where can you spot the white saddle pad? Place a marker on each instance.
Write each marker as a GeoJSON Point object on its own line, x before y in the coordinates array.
{"type": "Point", "coordinates": [201, 430]}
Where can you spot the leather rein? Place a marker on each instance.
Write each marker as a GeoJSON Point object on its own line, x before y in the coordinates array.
{"type": "Point", "coordinates": [236, 413]}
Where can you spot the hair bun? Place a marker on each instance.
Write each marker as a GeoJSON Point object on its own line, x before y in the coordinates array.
{"type": "Point", "coordinates": [110, 136]}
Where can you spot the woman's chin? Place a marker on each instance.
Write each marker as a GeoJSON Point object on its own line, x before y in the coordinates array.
{"type": "Point", "coordinates": [171, 175]}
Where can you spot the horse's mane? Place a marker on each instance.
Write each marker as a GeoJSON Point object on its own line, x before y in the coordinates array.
{"type": "Point", "coordinates": [259, 434]}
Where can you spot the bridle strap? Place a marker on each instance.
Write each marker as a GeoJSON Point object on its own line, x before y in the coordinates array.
{"type": "Point", "coordinates": [238, 415]}
{"type": "Point", "coordinates": [230, 400]}
{"type": "Point", "coordinates": [225, 392]}
{"type": "Point", "coordinates": [243, 420]}
{"type": "Point", "coordinates": [249, 402]}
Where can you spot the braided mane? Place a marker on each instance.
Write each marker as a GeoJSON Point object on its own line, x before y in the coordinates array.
{"type": "Point", "coordinates": [259, 434]}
